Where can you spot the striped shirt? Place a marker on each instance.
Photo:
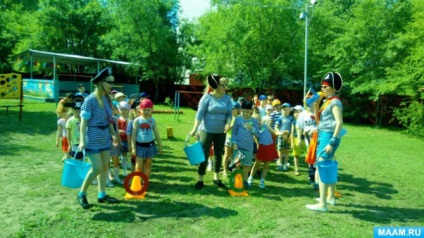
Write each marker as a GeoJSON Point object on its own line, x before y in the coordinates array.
{"type": "Point", "coordinates": [327, 122]}
{"type": "Point", "coordinates": [274, 117]}
{"type": "Point", "coordinates": [96, 138]}
{"type": "Point", "coordinates": [214, 113]}
{"type": "Point", "coordinates": [243, 137]}
{"type": "Point", "coordinates": [264, 136]}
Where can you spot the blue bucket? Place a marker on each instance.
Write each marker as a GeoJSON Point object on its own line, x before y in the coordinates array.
{"type": "Point", "coordinates": [74, 172]}
{"type": "Point", "coordinates": [327, 170]}
{"type": "Point", "coordinates": [194, 152]}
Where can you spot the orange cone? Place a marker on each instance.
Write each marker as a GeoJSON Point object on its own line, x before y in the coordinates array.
{"type": "Point", "coordinates": [236, 184]}
{"type": "Point", "coordinates": [136, 191]}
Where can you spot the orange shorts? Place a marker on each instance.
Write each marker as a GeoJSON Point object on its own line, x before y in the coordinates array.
{"type": "Point", "coordinates": [65, 145]}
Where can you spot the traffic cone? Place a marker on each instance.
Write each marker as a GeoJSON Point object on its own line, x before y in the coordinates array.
{"type": "Point", "coordinates": [136, 185]}
{"type": "Point", "coordinates": [236, 184]}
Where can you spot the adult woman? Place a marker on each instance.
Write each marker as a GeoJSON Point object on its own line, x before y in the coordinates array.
{"type": "Point", "coordinates": [95, 135]}
{"type": "Point", "coordinates": [330, 118]}
{"type": "Point", "coordinates": [212, 121]}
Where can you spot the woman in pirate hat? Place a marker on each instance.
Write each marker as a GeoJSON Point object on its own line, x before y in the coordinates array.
{"type": "Point", "coordinates": [330, 123]}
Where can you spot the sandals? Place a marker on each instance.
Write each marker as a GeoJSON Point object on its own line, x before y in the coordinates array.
{"type": "Point", "coordinates": [219, 183]}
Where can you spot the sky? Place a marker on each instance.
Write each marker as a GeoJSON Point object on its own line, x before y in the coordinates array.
{"type": "Point", "coordinates": [193, 8]}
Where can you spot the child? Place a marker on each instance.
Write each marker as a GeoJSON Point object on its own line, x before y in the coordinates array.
{"type": "Point", "coordinates": [61, 134]}
{"type": "Point", "coordinates": [131, 116]}
{"type": "Point", "coordinates": [73, 127]}
{"type": "Point", "coordinates": [124, 110]}
{"type": "Point", "coordinates": [145, 131]}
{"type": "Point", "coordinates": [296, 142]}
{"type": "Point", "coordinates": [267, 119]}
{"type": "Point", "coordinates": [114, 150]}
{"type": "Point", "coordinates": [228, 149]}
{"type": "Point", "coordinates": [284, 123]}
{"type": "Point", "coordinates": [244, 128]}
{"type": "Point", "coordinates": [266, 152]}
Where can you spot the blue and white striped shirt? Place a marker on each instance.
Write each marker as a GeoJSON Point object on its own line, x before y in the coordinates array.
{"type": "Point", "coordinates": [214, 113]}
{"type": "Point", "coordinates": [96, 138]}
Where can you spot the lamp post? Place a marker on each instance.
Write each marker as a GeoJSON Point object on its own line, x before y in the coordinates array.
{"type": "Point", "coordinates": [305, 16]}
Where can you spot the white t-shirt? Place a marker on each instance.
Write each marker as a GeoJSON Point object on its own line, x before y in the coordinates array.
{"type": "Point", "coordinates": [306, 121]}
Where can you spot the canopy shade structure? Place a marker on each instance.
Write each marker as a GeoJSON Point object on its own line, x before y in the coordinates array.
{"type": "Point", "coordinates": [58, 58]}
{"type": "Point", "coordinates": [32, 56]}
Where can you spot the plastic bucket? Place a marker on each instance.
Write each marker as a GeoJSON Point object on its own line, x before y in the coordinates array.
{"type": "Point", "coordinates": [327, 170]}
{"type": "Point", "coordinates": [74, 172]}
{"type": "Point", "coordinates": [194, 152]}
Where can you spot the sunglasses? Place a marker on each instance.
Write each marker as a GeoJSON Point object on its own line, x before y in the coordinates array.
{"type": "Point", "coordinates": [324, 86]}
{"type": "Point", "coordinates": [223, 85]}
{"type": "Point", "coordinates": [109, 82]}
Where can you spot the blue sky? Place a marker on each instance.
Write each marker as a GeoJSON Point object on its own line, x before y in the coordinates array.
{"type": "Point", "coordinates": [193, 8]}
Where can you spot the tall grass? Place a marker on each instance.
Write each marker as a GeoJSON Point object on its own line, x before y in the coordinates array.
{"type": "Point", "coordinates": [379, 179]}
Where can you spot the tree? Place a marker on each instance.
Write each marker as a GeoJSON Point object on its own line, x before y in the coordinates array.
{"type": "Point", "coordinates": [145, 35]}
{"type": "Point", "coordinates": [258, 44]}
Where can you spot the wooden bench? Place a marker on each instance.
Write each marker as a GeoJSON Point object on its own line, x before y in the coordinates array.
{"type": "Point", "coordinates": [7, 107]}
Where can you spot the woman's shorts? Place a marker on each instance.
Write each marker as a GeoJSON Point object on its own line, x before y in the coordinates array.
{"type": "Point", "coordinates": [96, 151]}
{"type": "Point", "coordinates": [323, 140]}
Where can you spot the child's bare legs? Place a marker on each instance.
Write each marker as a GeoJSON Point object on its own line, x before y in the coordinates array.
{"type": "Point", "coordinates": [296, 168]}
{"type": "Point", "coordinates": [246, 170]}
{"type": "Point", "coordinates": [228, 151]}
{"type": "Point", "coordinates": [265, 170]}
{"type": "Point", "coordinates": [115, 160]}
{"type": "Point", "coordinates": [139, 164]}
{"type": "Point", "coordinates": [280, 160]}
{"type": "Point", "coordinates": [148, 167]}
{"type": "Point", "coordinates": [286, 158]}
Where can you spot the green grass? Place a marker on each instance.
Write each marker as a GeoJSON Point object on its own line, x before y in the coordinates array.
{"type": "Point", "coordinates": [380, 180]}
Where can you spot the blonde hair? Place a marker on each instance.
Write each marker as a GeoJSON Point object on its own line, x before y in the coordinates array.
{"type": "Point", "coordinates": [99, 92]}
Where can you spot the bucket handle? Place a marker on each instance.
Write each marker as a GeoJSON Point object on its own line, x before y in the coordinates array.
{"type": "Point", "coordinates": [83, 157]}
{"type": "Point", "coordinates": [319, 155]}
{"type": "Point", "coordinates": [186, 140]}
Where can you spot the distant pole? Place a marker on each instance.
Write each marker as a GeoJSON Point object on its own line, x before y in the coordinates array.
{"type": "Point", "coordinates": [305, 79]}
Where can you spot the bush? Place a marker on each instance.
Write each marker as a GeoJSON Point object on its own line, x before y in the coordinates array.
{"type": "Point", "coordinates": [412, 117]}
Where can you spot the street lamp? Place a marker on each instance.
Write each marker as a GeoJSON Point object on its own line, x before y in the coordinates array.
{"type": "Point", "coordinates": [304, 16]}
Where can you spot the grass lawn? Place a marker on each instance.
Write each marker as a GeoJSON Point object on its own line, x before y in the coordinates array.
{"type": "Point", "coordinates": [379, 180]}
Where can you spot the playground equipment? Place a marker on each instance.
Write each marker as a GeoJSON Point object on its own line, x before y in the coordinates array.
{"type": "Point", "coordinates": [11, 88]}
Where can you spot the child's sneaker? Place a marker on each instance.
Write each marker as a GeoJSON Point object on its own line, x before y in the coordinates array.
{"type": "Point", "coordinates": [285, 169]}
{"type": "Point", "coordinates": [279, 167]}
{"type": "Point", "coordinates": [250, 181]}
{"type": "Point", "coordinates": [94, 182]}
{"type": "Point", "coordinates": [119, 181]}
{"type": "Point", "coordinates": [109, 184]}
{"type": "Point", "coordinates": [246, 185]}
{"type": "Point", "coordinates": [262, 183]}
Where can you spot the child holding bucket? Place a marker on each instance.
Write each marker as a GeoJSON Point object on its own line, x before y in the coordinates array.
{"type": "Point", "coordinates": [244, 128]}
{"type": "Point", "coordinates": [61, 134]}
{"type": "Point", "coordinates": [73, 127]}
{"type": "Point", "coordinates": [330, 125]}
{"type": "Point", "coordinates": [145, 132]}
